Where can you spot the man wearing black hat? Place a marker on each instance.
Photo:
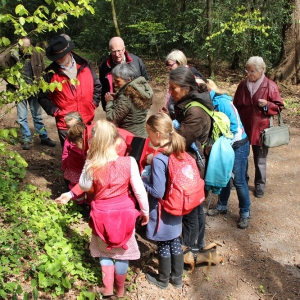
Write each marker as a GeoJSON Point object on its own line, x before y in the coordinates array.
{"type": "Point", "coordinates": [80, 87]}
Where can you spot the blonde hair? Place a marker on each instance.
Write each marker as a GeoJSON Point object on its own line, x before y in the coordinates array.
{"type": "Point", "coordinates": [178, 57]}
{"type": "Point", "coordinates": [213, 86]}
{"type": "Point", "coordinates": [100, 151]}
{"type": "Point", "coordinates": [163, 124]}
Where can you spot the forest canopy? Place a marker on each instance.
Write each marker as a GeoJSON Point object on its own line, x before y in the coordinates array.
{"type": "Point", "coordinates": [227, 31]}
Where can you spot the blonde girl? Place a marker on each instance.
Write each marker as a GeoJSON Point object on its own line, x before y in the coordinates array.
{"type": "Point", "coordinates": [113, 212]}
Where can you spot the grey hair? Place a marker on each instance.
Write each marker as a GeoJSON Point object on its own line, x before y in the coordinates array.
{"type": "Point", "coordinates": [125, 71]}
{"type": "Point", "coordinates": [257, 62]}
{"type": "Point", "coordinates": [177, 56]}
{"type": "Point", "coordinates": [67, 37]}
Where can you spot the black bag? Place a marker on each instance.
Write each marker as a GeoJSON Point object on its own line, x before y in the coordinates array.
{"type": "Point", "coordinates": [275, 136]}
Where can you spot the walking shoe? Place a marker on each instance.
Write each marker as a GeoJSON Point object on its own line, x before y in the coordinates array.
{"type": "Point", "coordinates": [243, 223]}
{"type": "Point", "coordinates": [232, 187]}
{"type": "Point", "coordinates": [26, 146]}
{"type": "Point", "coordinates": [48, 142]}
{"type": "Point", "coordinates": [259, 193]}
{"type": "Point", "coordinates": [215, 212]}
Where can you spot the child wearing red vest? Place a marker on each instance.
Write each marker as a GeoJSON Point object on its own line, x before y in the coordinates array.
{"type": "Point", "coordinates": [113, 213]}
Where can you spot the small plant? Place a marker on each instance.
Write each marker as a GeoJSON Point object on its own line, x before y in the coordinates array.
{"type": "Point", "coordinates": [261, 288]}
{"type": "Point", "coordinates": [207, 278]}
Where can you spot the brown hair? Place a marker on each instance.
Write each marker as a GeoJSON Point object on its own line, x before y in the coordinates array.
{"type": "Point", "coordinates": [75, 133]}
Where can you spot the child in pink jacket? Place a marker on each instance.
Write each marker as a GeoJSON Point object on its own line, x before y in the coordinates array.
{"type": "Point", "coordinates": [73, 157]}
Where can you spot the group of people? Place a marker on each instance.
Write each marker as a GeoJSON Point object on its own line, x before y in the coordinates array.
{"type": "Point", "coordinates": [113, 181]}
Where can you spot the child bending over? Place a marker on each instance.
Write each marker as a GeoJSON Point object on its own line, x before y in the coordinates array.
{"type": "Point", "coordinates": [113, 212]}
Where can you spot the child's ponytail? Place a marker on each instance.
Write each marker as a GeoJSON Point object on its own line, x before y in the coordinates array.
{"type": "Point", "coordinates": [163, 124]}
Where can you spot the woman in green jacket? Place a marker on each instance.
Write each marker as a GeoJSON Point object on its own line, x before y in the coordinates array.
{"type": "Point", "coordinates": [128, 108]}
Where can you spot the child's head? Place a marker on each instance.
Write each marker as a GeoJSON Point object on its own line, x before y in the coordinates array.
{"type": "Point", "coordinates": [75, 134]}
{"type": "Point", "coordinates": [161, 133]}
{"type": "Point", "coordinates": [72, 118]}
{"type": "Point", "coordinates": [104, 143]}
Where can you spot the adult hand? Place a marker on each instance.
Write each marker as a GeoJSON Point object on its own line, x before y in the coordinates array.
{"type": "Point", "coordinates": [145, 220]}
{"type": "Point", "coordinates": [108, 97]}
{"type": "Point", "coordinates": [262, 102]}
{"type": "Point", "coordinates": [64, 198]}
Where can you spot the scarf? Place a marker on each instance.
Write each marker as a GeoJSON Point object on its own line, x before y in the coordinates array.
{"type": "Point", "coordinates": [253, 86]}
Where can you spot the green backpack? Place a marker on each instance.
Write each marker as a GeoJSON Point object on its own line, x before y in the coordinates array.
{"type": "Point", "coordinates": [220, 125]}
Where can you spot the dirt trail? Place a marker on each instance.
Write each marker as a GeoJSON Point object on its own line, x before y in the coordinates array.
{"type": "Point", "coordinates": [261, 262]}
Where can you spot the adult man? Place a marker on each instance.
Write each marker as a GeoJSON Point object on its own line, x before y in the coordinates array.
{"type": "Point", "coordinates": [80, 87]}
{"type": "Point", "coordinates": [33, 66]}
{"type": "Point", "coordinates": [118, 55]}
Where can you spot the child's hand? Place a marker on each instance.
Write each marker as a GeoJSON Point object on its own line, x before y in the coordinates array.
{"type": "Point", "coordinates": [64, 198]}
{"type": "Point", "coordinates": [164, 110]}
{"type": "Point", "coordinates": [144, 220]}
{"type": "Point", "coordinates": [149, 159]}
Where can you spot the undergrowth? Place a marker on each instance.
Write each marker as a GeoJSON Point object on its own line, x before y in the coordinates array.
{"type": "Point", "coordinates": [40, 251]}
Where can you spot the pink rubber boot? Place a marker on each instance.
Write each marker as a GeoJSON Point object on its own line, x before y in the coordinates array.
{"type": "Point", "coordinates": [119, 284]}
{"type": "Point", "coordinates": [108, 280]}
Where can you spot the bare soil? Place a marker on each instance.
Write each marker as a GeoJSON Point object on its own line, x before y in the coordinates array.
{"type": "Point", "coordinates": [260, 262]}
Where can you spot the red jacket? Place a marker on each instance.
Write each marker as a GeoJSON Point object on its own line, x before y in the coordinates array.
{"type": "Point", "coordinates": [84, 98]}
{"type": "Point", "coordinates": [253, 117]}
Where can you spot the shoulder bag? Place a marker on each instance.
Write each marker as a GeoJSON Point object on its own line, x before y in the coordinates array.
{"type": "Point", "coordinates": [275, 136]}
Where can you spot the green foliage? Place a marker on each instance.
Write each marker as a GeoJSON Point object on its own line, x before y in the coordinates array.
{"type": "Point", "coordinates": [37, 240]}
{"type": "Point", "coordinates": [37, 243]}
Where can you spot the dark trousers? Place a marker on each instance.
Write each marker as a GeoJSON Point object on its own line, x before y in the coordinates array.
{"type": "Point", "coordinates": [62, 134]}
{"type": "Point", "coordinates": [193, 229]}
{"type": "Point", "coordinates": [260, 154]}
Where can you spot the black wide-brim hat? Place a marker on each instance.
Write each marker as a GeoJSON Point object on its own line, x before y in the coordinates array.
{"type": "Point", "coordinates": [58, 48]}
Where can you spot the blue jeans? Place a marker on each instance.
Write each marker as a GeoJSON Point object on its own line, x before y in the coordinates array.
{"type": "Point", "coordinates": [239, 181]}
{"type": "Point", "coordinates": [36, 112]}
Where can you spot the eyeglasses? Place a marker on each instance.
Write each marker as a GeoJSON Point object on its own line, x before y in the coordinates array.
{"type": "Point", "coordinates": [251, 72]}
{"type": "Point", "coordinates": [171, 65]}
{"type": "Point", "coordinates": [116, 51]}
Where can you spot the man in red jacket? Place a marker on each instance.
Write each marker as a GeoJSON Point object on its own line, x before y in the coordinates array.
{"type": "Point", "coordinates": [80, 87]}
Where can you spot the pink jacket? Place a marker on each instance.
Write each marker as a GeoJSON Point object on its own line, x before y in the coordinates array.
{"type": "Point", "coordinates": [113, 220]}
{"type": "Point", "coordinates": [72, 157]}
{"type": "Point", "coordinates": [254, 118]}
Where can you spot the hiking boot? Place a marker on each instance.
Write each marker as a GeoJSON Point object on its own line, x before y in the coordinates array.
{"type": "Point", "coordinates": [48, 142]}
{"type": "Point", "coordinates": [259, 193]}
{"type": "Point", "coordinates": [214, 212]}
{"type": "Point", "coordinates": [26, 146]}
{"type": "Point", "coordinates": [244, 223]}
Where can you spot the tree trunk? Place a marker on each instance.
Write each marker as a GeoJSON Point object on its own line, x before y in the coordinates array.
{"type": "Point", "coordinates": [209, 29]}
{"type": "Point", "coordinates": [288, 70]}
{"type": "Point", "coordinates": [114, 15]}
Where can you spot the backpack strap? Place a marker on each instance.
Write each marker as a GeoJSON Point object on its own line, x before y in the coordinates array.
{"type": "Point", "coordinates": [196, 103]}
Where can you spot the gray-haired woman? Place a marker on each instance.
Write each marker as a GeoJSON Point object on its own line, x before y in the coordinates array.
{"type": "Point", "coordinates": [256, 99]}
{"type": "Point", "coordinates": [128, 108]}
{"type": "Point", "coordinates": [175, 59]}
